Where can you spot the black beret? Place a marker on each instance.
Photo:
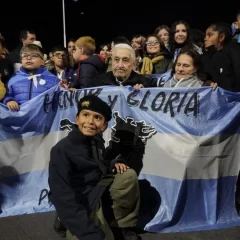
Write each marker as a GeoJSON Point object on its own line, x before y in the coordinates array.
{"type": "Point", "coordinates": [95, 104]}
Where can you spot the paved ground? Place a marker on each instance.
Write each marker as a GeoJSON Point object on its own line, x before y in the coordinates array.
{"type": "Point", "coordinates": [39, 227]}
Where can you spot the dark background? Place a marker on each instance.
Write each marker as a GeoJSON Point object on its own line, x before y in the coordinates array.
{"type": "Point", "coordinates": [104, 20]}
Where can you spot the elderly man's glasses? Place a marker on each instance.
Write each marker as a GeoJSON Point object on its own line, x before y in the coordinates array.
{"type": "Point", "coordinates": [31, 56]}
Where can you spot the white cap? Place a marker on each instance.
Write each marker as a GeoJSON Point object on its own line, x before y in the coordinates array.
{"type": "Point", "coordinates": [38, 43]}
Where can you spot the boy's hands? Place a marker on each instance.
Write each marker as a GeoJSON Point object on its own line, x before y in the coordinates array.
{"type": "Point", "coordinates": [13, 105]}
{"type": "Point", "coordinates": [120, 168]}
{"type": "Point", "coordinates": [65, 84]}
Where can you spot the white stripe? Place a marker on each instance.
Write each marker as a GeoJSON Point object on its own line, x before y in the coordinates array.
{"type": "Point", "coordinates": [181, 157]}
{"type": "Point", "coordinates": [172, 156]}
{"type": "Point", "coordinates": [28, 154]}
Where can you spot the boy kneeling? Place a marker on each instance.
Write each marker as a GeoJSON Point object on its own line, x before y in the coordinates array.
{"type": "Point", "coordinates": [79, 177]}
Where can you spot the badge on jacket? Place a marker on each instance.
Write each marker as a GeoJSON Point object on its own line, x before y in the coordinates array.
{"type": "Point", "coordinates": [42, 82]}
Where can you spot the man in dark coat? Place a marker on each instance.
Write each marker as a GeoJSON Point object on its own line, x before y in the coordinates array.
{"type": "Point", "coordinates": [79, 177]}
{"type": "Point", "coordinates": [123, 74]}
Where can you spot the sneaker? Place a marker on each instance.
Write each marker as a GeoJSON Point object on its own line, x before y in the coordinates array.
{"type": "Point", "coordinates": [59, 228]}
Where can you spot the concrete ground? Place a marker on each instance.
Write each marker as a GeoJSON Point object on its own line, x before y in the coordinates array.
{"type": "Point", "coordinates": [39, 227]}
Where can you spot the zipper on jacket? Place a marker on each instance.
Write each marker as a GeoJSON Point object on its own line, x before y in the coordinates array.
{"type": "Point", "coordinates": [30, 92]}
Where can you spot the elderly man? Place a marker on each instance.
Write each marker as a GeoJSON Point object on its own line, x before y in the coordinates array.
{"type": "Point", "coordinates": [122, 74]}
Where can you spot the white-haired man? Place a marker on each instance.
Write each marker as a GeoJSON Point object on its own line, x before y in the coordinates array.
{"type": "Point", "coordinates": [122, 74]}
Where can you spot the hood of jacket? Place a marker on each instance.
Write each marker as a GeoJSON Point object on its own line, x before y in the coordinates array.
{"type": "Point", "coordinates": [95, 60]}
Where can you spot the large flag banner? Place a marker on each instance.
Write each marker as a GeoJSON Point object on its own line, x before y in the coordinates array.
{"type": "Point", "coordinates": [183, 143]}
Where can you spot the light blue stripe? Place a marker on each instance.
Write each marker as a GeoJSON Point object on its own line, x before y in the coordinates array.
{"type": "Point", "coordinates": [167, 205]}
{"type": "Point", "coordinates": [218, 112]}
{"type": "Point", "coordinates": [190, 205]}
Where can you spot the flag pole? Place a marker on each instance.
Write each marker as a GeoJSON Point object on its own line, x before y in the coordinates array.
{"type": "Point", "coordinates": [64, 24]}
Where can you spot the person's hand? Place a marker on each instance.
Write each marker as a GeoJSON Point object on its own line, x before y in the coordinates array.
{"type": "Point", "coordinates": [210, 83]}
{"type": "Point", "coordinates": [120, 168]}
{"type": "Point", "coordinates": [138, 86]}
{"type": "Point", "coordinates": [72, 89]}
{"type": "Point", "coordinates": [213, 85]}
{"type": "Point", "coordinates": [13, 105]}
{"type": "Point", "coordinates": [64, 84]}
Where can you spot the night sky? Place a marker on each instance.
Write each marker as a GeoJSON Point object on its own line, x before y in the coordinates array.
{"type": "Point", "coordinates": [103, 20]}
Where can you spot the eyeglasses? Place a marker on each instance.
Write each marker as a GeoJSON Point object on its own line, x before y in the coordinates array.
{"type": "Point", "coordinates": [31, 56]}
{"type": "Point", "coordinates": [59, 55]}
{"type": "Point", "coordinates": [152, 42]}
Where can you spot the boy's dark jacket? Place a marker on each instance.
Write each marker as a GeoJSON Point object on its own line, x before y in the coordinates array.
{"type": "Point", "coordinates": [85, 71]}
{"type": "Point", "coordinates": [74, 181]}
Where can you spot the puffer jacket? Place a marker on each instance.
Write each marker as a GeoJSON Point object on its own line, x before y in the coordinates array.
{"type": "Point", "coordinates": [86, 70]}
{"type": "Point", "coordinates": [24, 86]}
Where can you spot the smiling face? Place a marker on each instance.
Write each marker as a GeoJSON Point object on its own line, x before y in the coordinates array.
{"type": "Point", "coordinates": [105, 52]}
{"type": "Point", "coordinates": [153, 45]}
{"type": "Point", "coordinates": [180, 35]}
{"type": "Point", "coordinates": [90, 123]}
{"type": "Point", "coordinates": [184, 66]}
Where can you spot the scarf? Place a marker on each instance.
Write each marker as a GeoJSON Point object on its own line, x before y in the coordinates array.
{"type": "Point", "coordinates": [147, 66]}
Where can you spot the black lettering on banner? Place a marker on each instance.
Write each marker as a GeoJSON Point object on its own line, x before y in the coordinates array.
{"type": "Point", "coordinates": [46, 103]}
{"type": "Point", "coordinates": [60, 100]}
{"type": "Point", "coordinates": [95, 92]}
{"type": "Point", "coordinates": [131, 101]}
{"type": "Point", "coordinates": [154, 106]}
{"type": "Point", "coordinates": [86, 92]}
{"type": "Point", "coordinates": [77, 96]}
{"type": "Point", "coordinates": [68, 97]}
{"type": "Point", "coordinates": [142, 105]}
{"type": "Point", "coordinates": [43, 195]}
{"type": "Point", "coordinates": [113, 101]}
{"type": "Point", "coordinates": [192, 105]}
{"type": "Point", "coordinates": [174, 96]}
{"type": "Point", "coordinates": [54, 103]}
{"type": "Point", "coordinates": [174, 102]}
{"type": "Point", "coordinates": [181, 103]}
{"type": "Point", "coordinates": [160, 82]}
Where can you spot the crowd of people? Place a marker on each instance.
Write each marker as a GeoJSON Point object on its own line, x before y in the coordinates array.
{"type": "Point", "coordinates": [79, 174]}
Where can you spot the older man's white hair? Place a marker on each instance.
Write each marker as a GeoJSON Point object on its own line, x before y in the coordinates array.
{"type": "Point", "coordinates": [126, 46]}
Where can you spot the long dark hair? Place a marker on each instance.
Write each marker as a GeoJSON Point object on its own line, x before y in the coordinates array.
{"type": "Point", "coordinates": [172, 43]}
{"type": "Point", "coordinates": [223, 28]}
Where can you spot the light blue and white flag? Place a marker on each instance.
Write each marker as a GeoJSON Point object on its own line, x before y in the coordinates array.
{"type": "Point", "coordinates": [189, 139]}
